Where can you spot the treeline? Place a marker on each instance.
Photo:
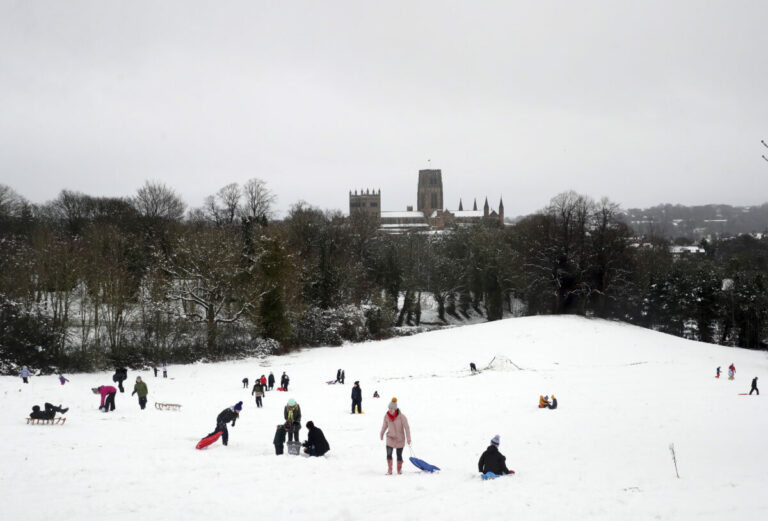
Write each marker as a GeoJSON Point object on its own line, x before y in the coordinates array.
{"type": "Point", "coordinates": [89, 282]}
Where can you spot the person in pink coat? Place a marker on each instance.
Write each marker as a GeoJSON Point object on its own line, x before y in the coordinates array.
{"type": "Point", "coordinates": [107, 393]}
{"type": "Point", "coordinates": [398, 432]}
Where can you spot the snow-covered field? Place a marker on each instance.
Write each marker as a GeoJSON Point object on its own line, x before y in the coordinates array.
{"type": "Point", "coordinates": [625, 394]}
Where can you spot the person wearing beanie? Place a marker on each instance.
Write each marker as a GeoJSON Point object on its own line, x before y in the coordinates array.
{"type": "Point", "coordinates": [292, 413]}
{"type": "Point", "coordinates": [107, 393]}
{"type": "Point", "coordinates": [279, 439]}
{"type": "Point", "coordinates": [398, 432]}
{"type": "Point", "coordinates": [357, 398]}
{"type": "Point", "coordinates": [230, 414]}
{"type": "Point", "coordinates": [316, 444]}
{"type": "Point", "coordinates": [492, 460]}
{"type": "Point", "coordinates": [258, 391]}
{"type": "Point", "coordinates": [140, 388]}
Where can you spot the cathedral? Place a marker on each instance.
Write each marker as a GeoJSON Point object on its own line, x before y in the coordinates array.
{"type": "Point", "coordinates": [429, 214]}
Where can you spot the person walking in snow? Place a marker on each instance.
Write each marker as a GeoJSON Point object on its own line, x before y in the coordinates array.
{"type": "Point", "coordinates": [154, 368]}
{"type": "Point", "coordinates": [316, 444]}
{"type": "Point", "coordinates": [292, 414]}
{"type": "Point", "coordinates": [338, 376]}
{"type": "Point", "coordinates": [398, 432]}
{"type": "Point", "coordinates": [121, 374]}
{"type": "Point", "coordinates": [258, 392]}
{"type": "Point", "coordinates": [357, 398]}
{"type": "Point", "coordinates": [279, 440]}
{"type": "Point", "coordinates": [24, 374]}
{"type": "Point", "coordinates": [492, 460]}
{"type": "Point", "coordinates": [62, 380]}
{"type": "Point", "coordinates": [270, 381]}
{"type": "Point", "coordinates": [230, 414]}
{"type": "Point", "coordinates": [718, 372]}
{"type": "Point", "coordinates": [472, 367]}
{"type": "Point", "coordinates": [343, 376]}
{"type": "Point", "coordinates": [48, 414]}
{"type": "Point", "coordinates": [165, 370]}
{"type": "Point", "coordinates": [107, 393]}
{"type": "Point", "coordinates": [245, 383]}
{"type": "Point", "coordinates": [140, 388]}
{"type": "Point", "coordinates": [285, 380]}
{"type": "Point", "coordinates": [731, 371]}
{"type": "Point", "coordinates": [754, 387]}
{"type": "Point", "coordinates": [264, 383]}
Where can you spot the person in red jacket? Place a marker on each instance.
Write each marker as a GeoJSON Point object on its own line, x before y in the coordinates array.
{"type": "Point", "coordinates": [107, 393]}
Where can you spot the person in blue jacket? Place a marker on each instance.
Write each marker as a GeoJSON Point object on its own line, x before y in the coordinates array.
{"type": "Point", "coordinates": [25, 374]}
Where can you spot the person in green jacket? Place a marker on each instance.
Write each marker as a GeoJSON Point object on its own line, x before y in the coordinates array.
{"type": "Point", "coordinates": [279, 440]}
{"type": "Point", "coordinates": [141, 389]}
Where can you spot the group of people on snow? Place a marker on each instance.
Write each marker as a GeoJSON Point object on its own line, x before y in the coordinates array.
{"type": "Point", "coordinates": [545, 403]}
{"type": "Point", "coordinates": [732, 375]}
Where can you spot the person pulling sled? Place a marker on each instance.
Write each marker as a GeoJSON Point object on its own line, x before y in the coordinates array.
{"type": "Point", "coordinates": [230, 414]}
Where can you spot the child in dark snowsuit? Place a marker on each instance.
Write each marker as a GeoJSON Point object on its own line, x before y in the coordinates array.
{"type": "Point", "coordinates": [121, 374]}
{"type": "Point", "coordinates": [279, 440]}
{"type": "Point", "coordinates": [718, 372]}
{"type": "Point", "coordinates": [245, 383]}
{"type": "Point", "coordinates": [357, 398]}
{"type": "Point", "coordinates": [230, 414]}
{"type": "Point", "coordinates": [492, 460]}
{"type": "Point", "coordinates": [48, 414]}
{"type": "Point", "coordinates": [62, 379]}
{"type": "Point", "coordinates": [270, 381]}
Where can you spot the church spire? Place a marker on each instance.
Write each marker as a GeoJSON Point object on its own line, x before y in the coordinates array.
{"type": "Point", "coordinates": [486, 208]}
{"type": "Point", "coordinates": [474, 208]}
{"type": "Point", "coordinates": [461, 206]}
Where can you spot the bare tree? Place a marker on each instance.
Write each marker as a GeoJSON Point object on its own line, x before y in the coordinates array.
{"type": "Point", "coordinates": [258, 200]}
{"type": "Point", "coordinates": [156, 200]}
{"type": "Point", "coordinates": [229, 196]}
{"type": "Point", "coordinates": [11, 203]}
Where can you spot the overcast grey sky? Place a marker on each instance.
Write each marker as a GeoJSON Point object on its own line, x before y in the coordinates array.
{"type": "Point", "coordinates": [644, 101]}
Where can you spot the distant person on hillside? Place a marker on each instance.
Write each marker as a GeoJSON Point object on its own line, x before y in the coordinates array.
{"type": "Point", "coordinates": [121, 374]}
{"type": "Point", "coordinates": [264, 382]}
{"type": "Point", "coordinates": [472, 367]}
{"type": "Point", "coordinates": [343, 376]}
{"type": "Point", "coordinates": [357, 398]}
{"type": "Point", "coordinates": [48, 414]}
{"type": "Point", "coordinates": [25, 374]}
{"type": "Point", "coordinates": [543, 402]}
{"type": "Point", "coordinates": [376, 394]}
{"type": "Point", "coordinates": [285, 380]}
{"type": "Point", "coordinates": [140, 388]}
{"type": "Point", "coordinates": [154, 368]}
{"type": "Point", "coordinates": [258, 392]}
{"type": "Point", "coordinates": [62, 380]}
{"type": "Point", "coordinates": [492, 460]}
{"type": "Point", "coordinates": [245, 383]}
{"type": "Point", "coordinates": [316, 444]}
{"type": "Point", "coordinates": [230, 414]}
{"type": "Point", "coordinates": [292, 414]}
{"type": "Point", "coordinates": [338, 376]}
{"type": "Point", "coordinates": [718, 372]}
{"type": "Point", "coordinates": [165, 370]}
{"type": "Point", "coordinates": [731, 372]}
{"type": "Point", "coordinates": [270, 381]}
{"type": "Point", "coordinates": [279, 440]}
{"type": "Point", "coordinates": [754, 387]}
{"type": "Point", "coordinates": [107, 393]}
{"type": "Point", "coordinates": [398, 432]}
{"type": "Point", "coordinates": [553, 405]}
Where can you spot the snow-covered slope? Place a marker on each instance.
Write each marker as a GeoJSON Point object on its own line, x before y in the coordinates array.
{"type": "Point", "coordinates": [625, 394]}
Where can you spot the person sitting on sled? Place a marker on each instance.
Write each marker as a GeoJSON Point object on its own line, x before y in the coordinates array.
{"type": "Point", "coordinates": [543, 402]}
{"type": "Point", "coordinates": [48, 414]}
{"type": "Point", "coordinates": [553, 405]}
{"type": "Point", "coordinates": [492, 460]}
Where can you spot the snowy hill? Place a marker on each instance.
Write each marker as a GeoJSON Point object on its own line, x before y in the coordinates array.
{"type": "Point", "coordinates": [625, 394]}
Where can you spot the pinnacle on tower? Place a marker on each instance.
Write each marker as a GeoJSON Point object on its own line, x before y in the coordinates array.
{"type": "Point", "coordinates": [461, 207]}
{"type": "Point", "coordinates": [474, 208]}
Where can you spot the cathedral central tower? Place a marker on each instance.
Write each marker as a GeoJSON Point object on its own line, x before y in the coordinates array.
{"type": "Point", "coordinates": [429, 196]}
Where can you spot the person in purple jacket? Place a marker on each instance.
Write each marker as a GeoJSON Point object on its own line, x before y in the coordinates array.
{"type": "Point", "coordinates": [107, 393]}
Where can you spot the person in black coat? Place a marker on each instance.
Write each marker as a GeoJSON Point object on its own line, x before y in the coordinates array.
{"type": "Point", "coordinates": [492, 460]}
{"type": "Point", "coordinates": [270, 381]}
{"type": "Point", "coordinates": [754, 386]}
{"type": "Point", "coordinates": [338, 376]}
{"type": "Point", "coordinates": [48, 414]}
{"type": "Point", "coordinates": [121, 374]}
{"type": "Point", "coordinates": [357, 398]}
{"type": "Point", "coordinates": [316, 444]}
{"type": "Point", "coordinates": [230, 414]}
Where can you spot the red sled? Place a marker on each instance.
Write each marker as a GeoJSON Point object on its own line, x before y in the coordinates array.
{"type": "Point", "coordinates": [208, 440]}
{"type": "Point", "coordinates": [743, 394]}
{"type": "Point", "coordinates": [280, 389]}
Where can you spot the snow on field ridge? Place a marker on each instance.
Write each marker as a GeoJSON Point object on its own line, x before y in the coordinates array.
{"type": "Point", "coordinates": [625, 394]}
